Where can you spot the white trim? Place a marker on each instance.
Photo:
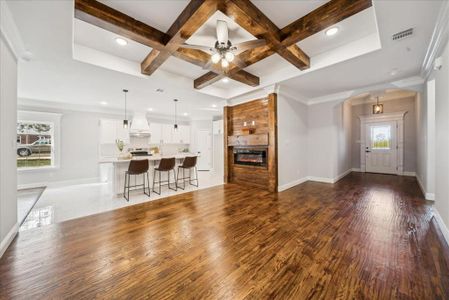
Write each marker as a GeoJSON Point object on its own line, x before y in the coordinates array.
{"type": "Point", "coordinates": [292, 184]}
{"type": "Point", "coordinates": [408, 173]}
{"type": "Point", "coordinates": [438, 40]}
{"type": "Point", "coordinates": [341, 175]}
{"type": "Point", "coordinates": [320, 179]}
{"type": "Point", "coordinates": [8, 239]}
{"type": "Point", "coordinates": [427, 196]}
{"type": "Point", "coordinates": [356, 170]}
{"type": "Point", "coordinates": [441, 223]}
{"type": "Point", "coordinates": [61, 183]}
{"type": "Point", "coordinates": [10, 33]}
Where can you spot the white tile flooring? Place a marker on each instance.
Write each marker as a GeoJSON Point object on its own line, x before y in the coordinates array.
{"type": "Point", "coordinates": [58, 204]}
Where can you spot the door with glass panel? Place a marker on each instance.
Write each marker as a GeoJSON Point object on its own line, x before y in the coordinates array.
{"type": "Point", "coordinates": [381, 148]}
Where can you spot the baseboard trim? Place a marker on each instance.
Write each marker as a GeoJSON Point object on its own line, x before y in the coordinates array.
{"type": "Point", "coordinates": [341, 175]}
{"type": "Point", "coordinates": [59, 183]}
{"type": "Point", "coordinates": [427, 196]}
{"type": "Point", "coordinates": [320, 179]}
{"type": "Point", "coordinates": [8, 239]}
{"type": "Point", "coordinates": [406, 173]}
{"type": "Point", "coordinates": [292, 184]}
{"type": "Point", "coordinates": [440, 222]}
{"type": "Point", "coordinates": [356, 170]}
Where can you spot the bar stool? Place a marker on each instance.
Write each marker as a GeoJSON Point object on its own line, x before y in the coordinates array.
{"type": "Point", "coordinates": [188, 163]}
{"type": "Point", "coordinates": [165, 165]}
{"type": "Point", "coordinates": [136, 167]}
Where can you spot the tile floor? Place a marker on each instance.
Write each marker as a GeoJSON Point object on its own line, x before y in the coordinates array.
{"type": "Point", "coordinates": [58, 204]}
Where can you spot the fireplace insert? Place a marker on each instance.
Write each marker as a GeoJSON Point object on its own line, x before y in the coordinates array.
{"type": "Point", "coordinates": [250, 157]}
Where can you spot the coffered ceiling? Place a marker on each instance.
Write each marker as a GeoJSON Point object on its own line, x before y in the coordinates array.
{"type": "Point", "coordinates": [76, 63]}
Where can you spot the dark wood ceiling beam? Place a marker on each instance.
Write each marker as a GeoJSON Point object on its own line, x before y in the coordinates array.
{"type": "Point", "coordinates": [195, 14]}
{"type": "Point", "coordinates": [254, 21]}
{"type": "Point", "coordinates": [103, 16]}
{"type": "Point", "coordinates": [248, 57]}
{"type": "Point", "coordinates": [201, 59]}
{"type": "Point", "coordinates": [207, 79]}
{"type": "Point", "coordinates": [321, 18]}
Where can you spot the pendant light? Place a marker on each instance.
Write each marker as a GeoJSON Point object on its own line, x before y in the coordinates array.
{"type": "Point", "coordinates": [125, 120]}
{"type": "Point", "coordinates": [175, 126]}
{"type": "Point", "coordinates": [378, 108]}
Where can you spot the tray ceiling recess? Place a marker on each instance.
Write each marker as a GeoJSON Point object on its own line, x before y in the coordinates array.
{"type": "Point", "coordinates": [281, 41]}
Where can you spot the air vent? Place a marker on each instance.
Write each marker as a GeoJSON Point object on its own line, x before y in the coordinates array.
{"type": "Point", "coordinates": [403, 34]}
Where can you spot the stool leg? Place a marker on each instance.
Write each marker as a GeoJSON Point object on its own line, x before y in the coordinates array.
{"type": "Point", "coordinates": [148, 182]}
{"type": "Point", "coordinates": [124, 188]}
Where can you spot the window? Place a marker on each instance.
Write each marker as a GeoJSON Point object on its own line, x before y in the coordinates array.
{"type": "Point", "coordinates": [381, 137]}
{"type": "Point", "coordinates": [35, 144]}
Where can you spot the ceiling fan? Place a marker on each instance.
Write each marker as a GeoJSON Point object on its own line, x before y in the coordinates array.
{"type": "Point", "coordinates": [224, 50]}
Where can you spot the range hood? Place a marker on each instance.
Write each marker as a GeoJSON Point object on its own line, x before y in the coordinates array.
{"type": "Point", "coordinates": [139, 125]}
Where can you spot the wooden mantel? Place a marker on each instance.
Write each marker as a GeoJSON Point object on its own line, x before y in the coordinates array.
{"type": "Point", "coordinates": [263, 112]}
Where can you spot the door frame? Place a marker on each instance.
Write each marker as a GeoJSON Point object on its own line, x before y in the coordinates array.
{"type": "Point", "coordinates": [209, 131]}
{"type": "Point", "coordinates": [397, 117]}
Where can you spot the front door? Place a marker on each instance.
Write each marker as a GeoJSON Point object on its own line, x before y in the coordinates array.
{"type": "Point", "coordinates": [381, 151]}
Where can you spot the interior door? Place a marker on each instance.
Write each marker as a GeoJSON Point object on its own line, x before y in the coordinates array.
{"type": "Point", "coordinates": [381, 148]}
{"type": "Point", "coordinates": [204, 150]}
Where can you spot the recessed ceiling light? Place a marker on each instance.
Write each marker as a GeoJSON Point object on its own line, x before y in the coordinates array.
{"type": "Point", "coordinates": [394, 72]}
{"type": "Point", "coordinates": [225, 80]}
{"type": "Point", "coordinates": [159, 90]}
{"type": "Point", "coordinates": [214, 105]}
{"type": "Point", "coordinates": [121, 42]}
{"type": "Point", "coordinates": [185, 114]}
{"type": "Point", "coordinates": [103, 103]}
{"type": "Point", "coordinates": [150, 109]}
{"type": "Point", "coordinates": [331, 31]}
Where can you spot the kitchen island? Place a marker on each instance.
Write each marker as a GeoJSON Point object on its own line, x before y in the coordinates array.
{"type": "Point", "coordinates": [118, 168]}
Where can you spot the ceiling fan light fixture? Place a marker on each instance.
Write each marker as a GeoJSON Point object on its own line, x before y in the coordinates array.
{"type": "Point", "coordinates": [224, 63]}
{"type": "Point", "coordinates": [216, 58]}
{"type": "Point", "coordinates": [229, 56]}
{"type": "Point", "coordinates": [332, 31]}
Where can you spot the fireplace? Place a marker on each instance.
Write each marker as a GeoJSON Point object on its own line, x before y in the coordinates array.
{"type": "Point", "coordinates": [250, 156]}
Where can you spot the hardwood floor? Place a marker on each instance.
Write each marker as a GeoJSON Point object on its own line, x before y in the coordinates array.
{"type": "Point", "coordinates": [366, 237]}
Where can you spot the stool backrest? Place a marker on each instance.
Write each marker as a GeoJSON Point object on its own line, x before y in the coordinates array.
{"type": "Point", "coordinates": [138, 166]}
{"type": "Point", "coordinates": [189, 162]}
{"type": "Point", "coordinates": [167, 164]}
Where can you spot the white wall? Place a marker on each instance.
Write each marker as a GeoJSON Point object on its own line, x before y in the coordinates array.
{"type": "Point", "coordinates": [8, 123]}
{"type": "Point", "coordinates": [292, 142]}
{"type": "Point", "coordinates": [343, 117]}
{"type": "Point", "coordinates": [442, 138]}
{"type": "Point", "coordinates": [322, 141]}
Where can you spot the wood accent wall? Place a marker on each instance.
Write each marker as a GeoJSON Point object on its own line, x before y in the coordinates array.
{"type": "Point", "coordinates": [264, 113]}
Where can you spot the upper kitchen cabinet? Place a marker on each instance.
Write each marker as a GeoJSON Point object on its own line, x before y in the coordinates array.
{"type": "Point", "coordinates": [155, 133]}
{"type": "Point", "coordinates": [112, 130]}
{"type": "Point", "coordinates": [181, 136]}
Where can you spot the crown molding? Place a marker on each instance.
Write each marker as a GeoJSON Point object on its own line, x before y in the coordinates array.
{"type": "Point", "coordinates": [10, 33]}
{"type": "Point", "coordinates": [438, 40]}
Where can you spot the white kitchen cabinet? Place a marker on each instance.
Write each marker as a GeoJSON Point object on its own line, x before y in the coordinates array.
{"type": "Point", "coordinates": [167, 136]}
{"type": "Point", "coordinates": [184, 134]}
{"type": "Point", "coordinates": [218, 127]}
{"type": "Point", "coordinates": [112, 130]}
{"type": "Point", "coordinates": [121, 133]}
{"type": "Point", "coordinates": [155, 133]}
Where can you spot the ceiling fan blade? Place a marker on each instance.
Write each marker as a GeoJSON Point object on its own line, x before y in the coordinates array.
{"type": "Point", "coordinates": [249, 45]}
{"type": "Point", "coordinates": [198, 47]}
{"type": "Point", "coordinates": [207, 65]}
{"type": "Point", "coordinates": [222, 32]}
{"type": "Point", "coordinates": [239, 62]}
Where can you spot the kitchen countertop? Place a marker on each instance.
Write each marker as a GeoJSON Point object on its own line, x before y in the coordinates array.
{"type": "Point", "coordinates": [115, 160]}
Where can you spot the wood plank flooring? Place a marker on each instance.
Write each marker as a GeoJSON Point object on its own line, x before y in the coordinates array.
{"type": "Point", "coordinates": [366, 237]}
